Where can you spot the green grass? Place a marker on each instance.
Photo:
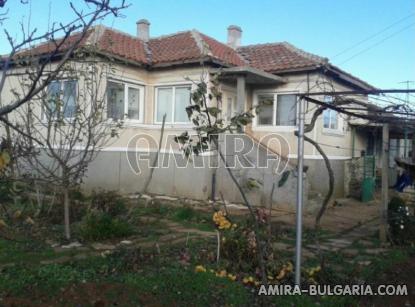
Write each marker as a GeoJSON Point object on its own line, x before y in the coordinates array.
{"type": "Point", "coordinates": [383, 263]}
{"type": "Point", "coordinates": [172, 284]}
{"type": "Point", "coordinates": [24, 251]}
{"type": "Point", "coordinates": [179, 286]}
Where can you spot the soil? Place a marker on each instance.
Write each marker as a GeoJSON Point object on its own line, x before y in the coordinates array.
{"type": "Point", "coordinates": [88, 294]}
{"type": "Point", "coordinates": [402, 274]}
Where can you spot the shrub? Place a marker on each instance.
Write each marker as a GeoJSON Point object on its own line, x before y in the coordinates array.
{"type": "Point", "coordinates": [101, 225]}
{"type": "Point", "coordinates": [184, 214]}
{"type": "Point", "coordinates": [109, 202]}
{"type": "Point", "coordinates": [401, 223]}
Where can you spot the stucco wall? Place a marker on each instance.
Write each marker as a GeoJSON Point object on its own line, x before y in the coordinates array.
{"type": "Point", "coordinates": [111, 169]}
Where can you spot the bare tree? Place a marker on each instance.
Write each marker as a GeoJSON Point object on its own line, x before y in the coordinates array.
{"type": "Point", "coordinates": [68, 118]}
{"type": "Point", "coordinates": [59, 51]}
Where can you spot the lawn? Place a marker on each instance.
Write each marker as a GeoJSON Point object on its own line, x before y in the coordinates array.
{"type": "Point", "coordinates": [166, 256]}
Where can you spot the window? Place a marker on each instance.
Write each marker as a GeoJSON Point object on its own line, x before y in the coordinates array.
{"type": "Point", "coordinates": [277, 110]}
{"type": "Point", "coordinates": [330, 120]}
{"type": "Point", "coordinates": [172, 101]}
{"type": "Point", "coordinates": [124, 101]}
{"type": "Point", "coordinates": [230, 108]}
{"type": "Point", "coordinates": [61, 99]}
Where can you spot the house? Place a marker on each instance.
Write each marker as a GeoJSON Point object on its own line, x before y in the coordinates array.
{"type": "Point", "coordinates": [154, 75]}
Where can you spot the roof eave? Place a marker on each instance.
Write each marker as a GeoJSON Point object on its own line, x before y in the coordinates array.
{"type": "Point", "coordinates": [256, 76]}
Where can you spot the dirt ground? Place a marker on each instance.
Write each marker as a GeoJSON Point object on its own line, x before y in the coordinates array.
{"type": "Point", "coordinates": [344, 214]}
{"type": "Point", "coordinates": [402, 274]}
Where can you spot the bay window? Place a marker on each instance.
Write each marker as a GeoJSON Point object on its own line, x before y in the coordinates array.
{"type": "Point", "coordinates": [276, 109]}
{"type": "Point", "coordinates": [61, 99]}
{"type": "Point", "coordinates": [172, 101]}
{"type": "Point", "coordinates": [124, 101]}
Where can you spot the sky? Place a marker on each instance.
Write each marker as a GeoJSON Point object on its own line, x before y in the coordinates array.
{"type": "Point", "coordinates": [372, 39]}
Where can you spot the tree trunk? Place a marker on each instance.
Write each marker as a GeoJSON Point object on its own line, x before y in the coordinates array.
{"type": "Point", "coordinates": [66, 213]}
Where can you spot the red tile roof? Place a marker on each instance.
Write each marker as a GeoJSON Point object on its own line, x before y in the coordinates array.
{"type": "Point", "coordinates": [173, 48]}
{"type": "Point", "coordinates": [47, 48]}
{"type": "Point", "coordinates": [279, 57]}
{"type": "Point", "coordinates": [193, 46]}
{"type": "Point", "coordinates": [223, 52]}
{"type": "Point", "coordinates": [121, 45]}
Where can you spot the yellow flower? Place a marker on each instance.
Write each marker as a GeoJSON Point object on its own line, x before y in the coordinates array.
{"type": "Point", "coordinates": [221, 273]}
{"type": "Point", "coordinates": [221, 221]}
{"type": "Point", "coordinates": [200, 268]}
{"type": "Point", "coordinates": [281, 274]}
{"type": "Point", "coordinates": [245, 280]}
{"type": "Point", "coordinates": [232, 277]}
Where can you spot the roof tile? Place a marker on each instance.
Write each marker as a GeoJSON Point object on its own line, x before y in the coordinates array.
{"type": "Point", "coordinates": [173, 48]}
{"type": "Point", "coordinates": [278, 57]}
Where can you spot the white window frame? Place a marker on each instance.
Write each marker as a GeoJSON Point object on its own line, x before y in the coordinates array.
{"type": "Point", "coordinates": [340, 124]}
{"type": "Point", "coordinates": [173, 102]}
{"type": "Point", "coordinates": [127, 85]}
{"type": "Point", "coordinates": [274, 125]}
{"type": "Point", "coordinates": [61, 93]}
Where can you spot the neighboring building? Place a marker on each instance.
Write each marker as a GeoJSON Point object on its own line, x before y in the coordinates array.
{"type": "Point", "coordinates": [153, 76]}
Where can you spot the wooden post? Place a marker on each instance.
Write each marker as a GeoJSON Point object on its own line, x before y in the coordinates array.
{"type": "Point", "coordinates": [385, 184]}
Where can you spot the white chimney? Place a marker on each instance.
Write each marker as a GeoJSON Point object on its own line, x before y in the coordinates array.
{"type": "Point", "coordinates": [143, 29]}
{"type": "Point", "coordinates": [234, 36]}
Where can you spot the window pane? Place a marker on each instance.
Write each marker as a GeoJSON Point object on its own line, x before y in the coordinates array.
{"type": "Point", "coordinates": [286, 110]}
{"type": "Point", "coordinates": [182, 100]}
{"type": "Point", "coordinates": [164, 101]}
{"type": "Point", "coordinates": [53, 93]}
{"type": "Point", "coordinates": [326, 119]}
{"type": "Point", "coordinates": [115, 99]}
{"type": "Point", "coordinates": [69, 99]}
{"type": "Point", "coordinates": [333, 119]}
{"type": "Point", "coordinates": [265, 110]}
{"type": "Point", "coordinates": [133, 103]}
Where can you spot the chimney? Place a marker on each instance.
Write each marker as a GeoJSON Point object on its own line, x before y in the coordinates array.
{"type": "Point", "coordinates": [143, 29]}
{"type": "Point", "coordinates": [234, 36]}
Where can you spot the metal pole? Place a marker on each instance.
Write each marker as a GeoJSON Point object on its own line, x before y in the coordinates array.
{"type": "Point", "coordinates": [299, 217]}
{"type": "Point", "coordinates": [385, 184]}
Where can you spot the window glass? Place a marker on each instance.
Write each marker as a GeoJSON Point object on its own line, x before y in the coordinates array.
{"type": "Point", "coordinates": [115, 99]}
{"type": "Point", "coordinates": [53, 96]}
{"type": "Point", "coordinates": [326, 118]}
{"type": "Point", "coordinates": [286, 110]}
{"type": "Point", "coordinates": [69, 98]}
{"type": "Point", "coordinates": [164, 101]}
{"type": "Point", "coordinates": [330, 116]}
{"type": "Point", "coordinates": [265, 109]}
{"type": "Point", "coordinates": [182, 100]}
{"type": "Point", "coordinates": [133, 103]}
{"type": "Point", "coordinates": [333, 119]}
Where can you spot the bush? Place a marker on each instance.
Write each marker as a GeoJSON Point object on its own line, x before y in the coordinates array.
{"type": "Point", "coordinates": [101, 225]}
{"type": "Point", "coordinates": [401, 223]}
{"type": "Point", "coordinates": [109, 202]}
{"type": "Point", "coordinates": [184, 214]}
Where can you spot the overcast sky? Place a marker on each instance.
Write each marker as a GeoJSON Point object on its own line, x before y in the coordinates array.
{"type": "Point", "coordinates": [328, 28]}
